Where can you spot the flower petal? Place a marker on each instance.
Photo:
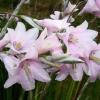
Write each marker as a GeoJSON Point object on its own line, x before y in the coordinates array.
{"type": "Point", "coordinates": [20, 28]}
{"type": "Point", "coordinates": [77, 72]}
{"type": "Point", "coordinates": [39, 73]}
{"type": "Point", "coordinates": [32, 33]}
{"type": "Point", "coordinates": [11, 63]}
{"type": "Point", "coordinates": [4, 41]}
{"type": "Point", "coordinates": [27, 82]}
{"type": "Point", "coordinates": [11, 81]}
{"type": "Point", "coordinates": [63, 73]}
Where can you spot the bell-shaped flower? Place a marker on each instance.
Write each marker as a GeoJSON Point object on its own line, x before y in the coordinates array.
{"type": "Point", "coordinates": [91, 65]}
{"type": "Point", "coordinates": [74, 70]}
{"type": "Point", "coordinates": [94, 63]}
{"type": "Point", "coordinates": [20, 40]}
{"type": "Point", "coordinates": [70, 8]}
{"type": "Point", "coordinates": [92, 6]}
{"type": "Point", "coordinates": [53, 25]}
{"type": "Point", "coordinates": [46, 43]}
{"type": "Point", "coordinates": [79, 39]}
{"type": "Point", "coordinates": [24, 73]}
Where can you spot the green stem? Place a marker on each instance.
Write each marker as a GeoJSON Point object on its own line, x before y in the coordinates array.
{"type": "Point", "coordinates": [22, 95]}
{"type": "Point", "coordinates": [58, 91]}
{"type": "Point", "coordinates": [77, 90]}
{"type": "Point", "coordinates": [15, 12]}
{"type": "Point", "coordinates": [82, 90]}
{"type": "Point", "coordinates": [36, 93]}
{"type": "Point", "coordinates": [30, 95]}
{"type": "Point", "coordinates": [70, 91]}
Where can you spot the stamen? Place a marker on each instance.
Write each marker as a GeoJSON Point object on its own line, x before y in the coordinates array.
{"type": "Point", "coordinates": [27, 71]}
{"type": "Point", "coordinates": [72, 39]}
{"type": "Point", "coordinates": [96, 59]}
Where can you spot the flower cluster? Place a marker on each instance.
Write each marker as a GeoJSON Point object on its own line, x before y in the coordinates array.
{"type": "Point", "coordinates": [52, 46]}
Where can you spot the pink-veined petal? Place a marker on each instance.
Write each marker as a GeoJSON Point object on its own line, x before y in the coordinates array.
{"type": "Point", "coordinates": [63, 73]}
{"type": "Point", "coordinates": [27, 82]}
{"type": "Point", "coordinates": [39, 73]}
{"type": "Point", "coordinates": [77, 72]}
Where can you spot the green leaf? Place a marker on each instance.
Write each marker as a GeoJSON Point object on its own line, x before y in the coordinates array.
{"type": "Point", "coordinates": [57, 57]}
{"type": "Point", "coordinates": [64, 58]}
{"type": "Point", "coordinates": [30, 21]}
{"type": "Point", "coordinates": [70, 59]}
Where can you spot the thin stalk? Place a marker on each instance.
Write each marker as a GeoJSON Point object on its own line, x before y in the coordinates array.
{"type": "Point", "coordinates": [15, 12]}
{"type": "Point", "coordinates": [36, 92]}
{"type": "Point", "coordinates": [82, 90]}
{"type": "Point", "coordinates": [22, 95]}
{"type": "Point", "coordinates": [43, 92]}
{"type": "Point", "coordinates": [30, 95]}
{"type": "Point", "coordinates": [70, 91]}
{"type": "Point", "coordinates": [64, 5]}
{"type": "Point", "coordinates": [77, 90]}
{"type": "Point", "coordinates": [58, 90]}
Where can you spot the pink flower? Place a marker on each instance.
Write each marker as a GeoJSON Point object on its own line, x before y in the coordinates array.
{"type": "Point", "coordinates": [53, 25]}
{"type": "Point", "coordinates": [56, 15]}
{"type": "Point", "coordinates": [63, 72]}
{"type": "Point", "coordinates": [92, 6]}
{"type": "Point", "coordinates": [4, 42]}
{"type": "Point", "coordinates": [70, 8]}
{"type": "Point", "coordinates": [93, 63]}
{"type": "Point", "coordinates": [91, 66]}
{"type": "Point", "coordinates": [24, 73]}
{"type": "Point", "coordinates": [79, 42]}
{"type": "Point", "coordinates": [78, 39]}
{"type": "Point", "coordinates": [98, 3]}
{"type": "Point", "coordinates": [74, 70]}
{"type": "Point", "coordinates": [46, 43]}
{"type": "Point", "coordinates": [21, 41]}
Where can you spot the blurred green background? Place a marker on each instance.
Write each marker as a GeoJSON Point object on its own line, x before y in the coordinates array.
{"type": "Point", "coordinates": [66, 90]}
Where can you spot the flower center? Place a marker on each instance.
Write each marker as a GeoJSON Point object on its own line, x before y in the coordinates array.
{"type": "Point", "coordinates": [72, 39]}
{"type": "Point", "coordinates": [17, 45]}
